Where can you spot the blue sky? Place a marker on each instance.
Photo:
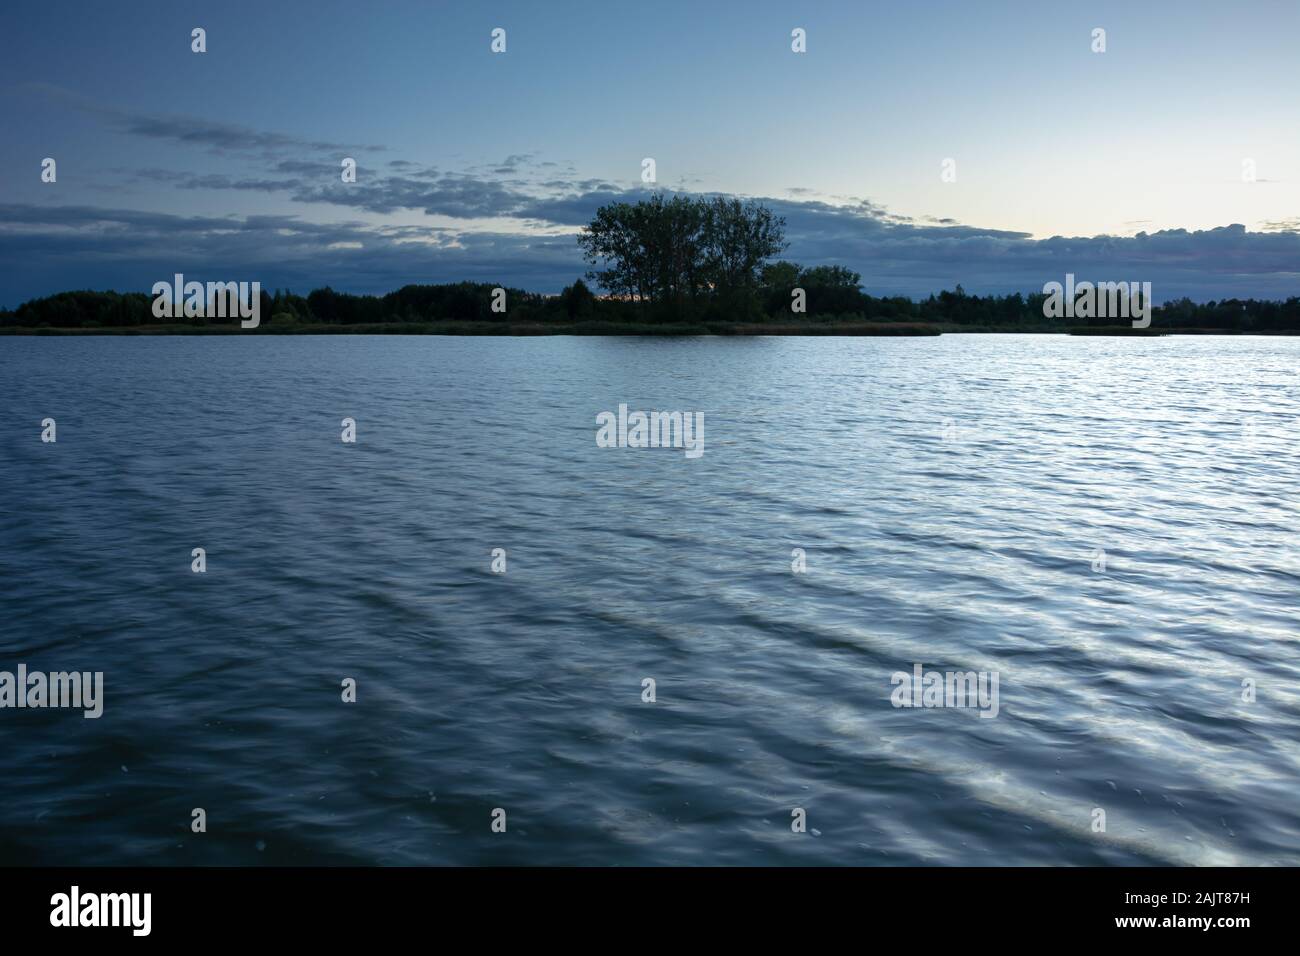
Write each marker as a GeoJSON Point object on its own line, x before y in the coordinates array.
{"type": "Point", "coordinates": [1119, 165]}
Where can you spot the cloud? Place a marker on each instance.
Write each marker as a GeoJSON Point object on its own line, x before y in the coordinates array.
{"type": "Point", "coordinates": [206, 180]}
{"type": "Point", "coordinates": [67, 247]}
{"type": "Point", "coordinates": [223, 137]}
{"type": "Point", "coordinates": [209, 134]}
{"type": "Point", "coordinates": [87, 247]}
{"type": "Point", "coordinates": [511, 210]}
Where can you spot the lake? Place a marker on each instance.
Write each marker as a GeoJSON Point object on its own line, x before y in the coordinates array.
{"type": "Point", "coordinates": [1109, 526]}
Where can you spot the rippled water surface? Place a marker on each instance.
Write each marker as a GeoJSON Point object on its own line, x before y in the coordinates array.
{"type": "Point", "coordinates": [951, 495]}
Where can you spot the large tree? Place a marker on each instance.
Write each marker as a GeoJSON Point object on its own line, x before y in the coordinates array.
{"type": "Point", "coordinates": [676, 252]}
{"type": "Point", "coordinates": [739, 238]}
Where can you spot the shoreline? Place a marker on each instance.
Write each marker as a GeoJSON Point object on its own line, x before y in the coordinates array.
{"type": "Point", "coordinates": [854, 330]}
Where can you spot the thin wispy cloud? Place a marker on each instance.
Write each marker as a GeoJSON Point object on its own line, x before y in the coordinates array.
{"type": "Point", "coordinates": [220, 138]}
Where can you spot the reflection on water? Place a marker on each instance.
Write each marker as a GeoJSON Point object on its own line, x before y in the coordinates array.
{"type": "Point", "coordinates": [952, 497]}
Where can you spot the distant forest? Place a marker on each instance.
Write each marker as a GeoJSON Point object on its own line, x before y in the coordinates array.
{"type": "Point", "coordinates": [666, 265]}
{"type": "Point", "coordinates": [465, 308]}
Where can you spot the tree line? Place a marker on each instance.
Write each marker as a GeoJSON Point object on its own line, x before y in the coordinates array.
{"type": "Point", "coordinates": [665, 264]}
{"type": "Point", "coordinates": [466, 307]}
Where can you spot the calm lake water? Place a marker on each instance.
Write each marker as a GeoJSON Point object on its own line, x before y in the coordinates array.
{"type": "Point", "coordinates": [951, 496]}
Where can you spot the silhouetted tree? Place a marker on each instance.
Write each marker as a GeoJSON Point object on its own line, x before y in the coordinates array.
{"type": "Point", "coordinates": [579, 301]}
{"type": "Point", "coordinates": [676, 252]}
